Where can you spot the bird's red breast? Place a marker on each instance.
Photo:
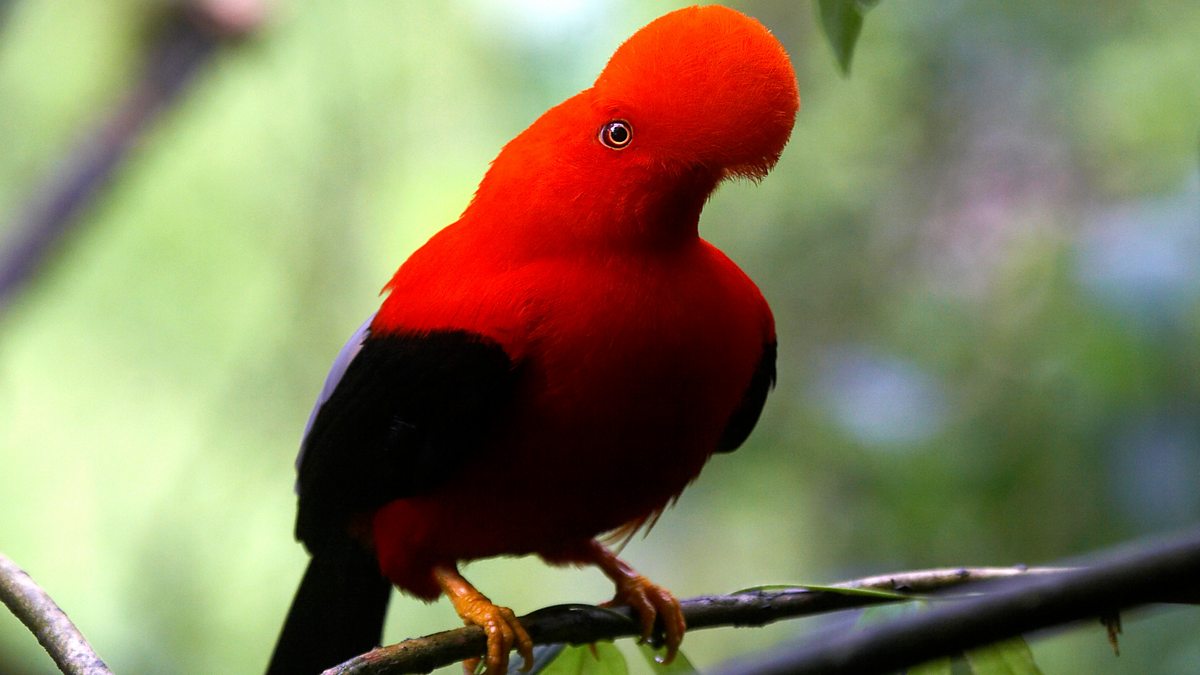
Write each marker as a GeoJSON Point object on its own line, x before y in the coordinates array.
{"type": "Point", "coordinates": [633, 340]}
{"type": "Point", "coordinates": [629, 371]}
{"type": "Point", "coordinates": [558, 363]}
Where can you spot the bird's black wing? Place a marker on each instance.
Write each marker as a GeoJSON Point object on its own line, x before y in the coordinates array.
{"type": "Point", "coordinates": [746, 416]}
{"type": "Point", "coordinates": [407, 410]}
{"type": "Point", "coordinates": [398, 413]}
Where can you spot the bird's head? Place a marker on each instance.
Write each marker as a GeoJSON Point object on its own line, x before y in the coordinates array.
{"type": "Point", "coordinates": [694, 97]}
{"type": "Point", "coordinates": [701, 86]}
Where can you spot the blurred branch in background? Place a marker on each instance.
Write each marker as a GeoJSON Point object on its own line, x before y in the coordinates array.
{"type": "Point", "coordinates": [186, 40]}
{"type": "Point", "coordinates": [1167, 571]}
{"type": "Point", "coordinates": [5, 7]}
{"type": "Point", "coordinates": [53, 629]}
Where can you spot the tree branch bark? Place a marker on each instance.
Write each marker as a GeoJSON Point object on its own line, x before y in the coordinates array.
{"type": "Point", "coordinates": [581, 624]}
{"type": "Point", "coordinates": [34, 608]}
{"type": "Point", "coordinates": [1002, 602]}
{"type": "Point", "coordinates": [1164, 572]}
{"type": "Point", "coordinates": [185, 43]}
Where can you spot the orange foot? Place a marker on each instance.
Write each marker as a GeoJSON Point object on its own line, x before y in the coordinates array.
{"type": "Point", "coordinates": [649, 601]}
{"type": "Point", "coordinates": [504, 631]}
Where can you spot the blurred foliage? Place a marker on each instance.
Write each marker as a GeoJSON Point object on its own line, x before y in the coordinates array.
{"type": "Point", "coordinates": [602, 658]}
{"type": "Point", "coordinates": [842, 22]}
{"type": "Point", "coordinates": [1011, 657]}
{"type": "Point", "coordinates": [982, 249]}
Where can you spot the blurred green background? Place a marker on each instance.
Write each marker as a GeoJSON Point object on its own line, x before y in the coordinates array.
{"type": "Point", "coordinates": [982, 248]}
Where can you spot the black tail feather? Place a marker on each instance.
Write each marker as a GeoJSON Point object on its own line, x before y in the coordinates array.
{"type": "Point", "coordinates": [337, 613]}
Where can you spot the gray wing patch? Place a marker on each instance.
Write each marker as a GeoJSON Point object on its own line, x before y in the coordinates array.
{"type": "Point", "coordinates": [349, 350]}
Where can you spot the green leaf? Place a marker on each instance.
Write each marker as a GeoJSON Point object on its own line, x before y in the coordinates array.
{"type": "Point", "coordinates": [944, 666]}
{"type": "Point", "coordinates": [680, 666]}
{"type": "Point", "coordinates": [842, 590]}
{"type": "Point", "coordinates": [864, 592]}
{"type": "Point", "coordinates": [881, 613]}
{"type": "Point", "coordinates": [543, 656]}
{"type": "Point", "coordinates": [1010, 657]}
{"type": "Point", "coordinates": [842, 22]}
{"type": "Point", "coordinates": [601, 658]}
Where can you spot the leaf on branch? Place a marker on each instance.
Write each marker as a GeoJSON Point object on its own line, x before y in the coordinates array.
{"type": "Point", "coordinates": [842, 22]}
{"type": "Point", "coordinates": [680, 666]}
{"type": "Point", "coordinates": [1010, 657]}
{"type": "Point", "coordinates": [600, 658]}
{"type": "Point", "coordinates": [543, 656]}
{"type": "Point", "coordinates": [857, 591]}
{"type": "Point", "coordinates": [865, 592]}
{"type": "Point", "coordinates": [880, 613]}
{"type": "Point", "coordinates": [943, 666]}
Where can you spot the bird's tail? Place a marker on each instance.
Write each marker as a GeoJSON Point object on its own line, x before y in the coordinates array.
{"type": "Point", "coordinates": [337, 613]}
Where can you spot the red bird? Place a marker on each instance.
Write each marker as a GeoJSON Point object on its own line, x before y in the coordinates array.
{"type": "Point", "coordinates": [561, 361]}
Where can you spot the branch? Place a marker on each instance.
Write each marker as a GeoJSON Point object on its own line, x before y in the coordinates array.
{"type": "Point", "coordinates": [1013, 600]}
{"type": "Point", "coordinates": [581, 624]}
{"type": "Point", "coordinates": [59, 637]}
{"type": "Point", "coordinates": [1165, 572]}
{"type": "Point", "coordinates": [185, 43]}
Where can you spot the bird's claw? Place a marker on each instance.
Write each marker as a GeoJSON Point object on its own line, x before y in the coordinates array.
{"type": "Point", "coordinates": [651, 602]}
{"type": "Point", "coordinates": [504, 633]}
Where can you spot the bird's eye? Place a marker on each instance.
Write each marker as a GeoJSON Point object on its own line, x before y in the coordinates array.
{"type": "Point", "coordinates": [616, 134]}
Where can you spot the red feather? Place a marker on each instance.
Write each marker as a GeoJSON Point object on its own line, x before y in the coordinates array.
{"type": "Point", "coordinates": [637, 339]}
{"type": "Point", "coordinates": [637, 348]}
